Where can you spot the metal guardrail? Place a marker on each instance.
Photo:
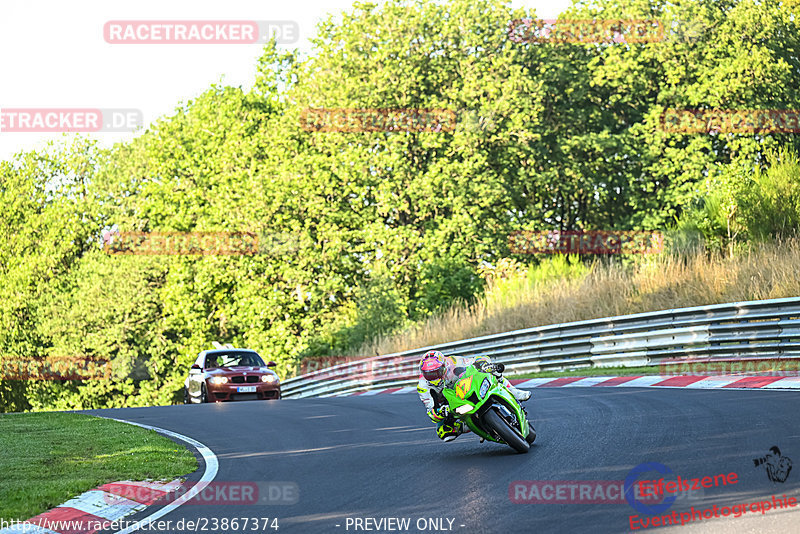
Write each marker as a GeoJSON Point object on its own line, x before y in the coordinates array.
{"type": "Point", "coordinates": [755, 329]}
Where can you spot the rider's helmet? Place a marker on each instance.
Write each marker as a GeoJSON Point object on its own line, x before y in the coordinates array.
{"type": "Point", "coordinates": [433, 366]}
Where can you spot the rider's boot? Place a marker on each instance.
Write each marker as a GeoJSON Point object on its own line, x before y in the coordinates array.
{"type": "Point", "coordinates": [520, 394]}
{"type": "Point", "coordinates": [450, 430]}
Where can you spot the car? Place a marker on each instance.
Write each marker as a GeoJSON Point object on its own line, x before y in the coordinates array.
{"type": "Point", "coordinates": [229, 374]}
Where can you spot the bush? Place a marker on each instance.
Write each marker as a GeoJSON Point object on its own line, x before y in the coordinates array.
{"type": "Point", "coordinates": [771, 206]}
{"type": "Point", "coordinates": [741, 204]}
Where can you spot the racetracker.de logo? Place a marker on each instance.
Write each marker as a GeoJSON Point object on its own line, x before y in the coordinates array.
{"type": "Point", "coordinates": [69, 120]}
{"type": "Point", "coordinates": [585, 242]}
{"type": "Point", "coordinates": [585, 31]}
{"type": "Point", "coordinates": [587, 492]}
{"type": "Point", "coordinates": [218, 493]}
{"type": "Point", "coordinates": [182, 243]}
{"type": "Point", "coordinates": [378, 120]}
{"type": "Point", "coordinates": [760, 367]}
{"type": "Point", "coordinates": [741, 121]}
{"type": "Point", "coordinates": [360, 369]}
{"type": "Point", "coordinates": [54, 368]}
{"type": "Point", "coordinates": [200, 31]}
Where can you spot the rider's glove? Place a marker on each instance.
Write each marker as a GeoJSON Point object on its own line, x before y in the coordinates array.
{"type": "Point", "coordinates": [483, 366]}
{"type": "Point", "coordinates": [495, 368]}
{"type": "Point", "coordinates": [444, 411]}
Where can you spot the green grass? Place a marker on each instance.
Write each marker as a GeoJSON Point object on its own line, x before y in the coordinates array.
{"type": "Point", "coordinates": [595, 371]}
{"type": "Point", "coordinates": [48, 458]}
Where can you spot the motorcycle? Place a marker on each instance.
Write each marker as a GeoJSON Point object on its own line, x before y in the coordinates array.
{"type": "Point", "coordinates": [490, 410]}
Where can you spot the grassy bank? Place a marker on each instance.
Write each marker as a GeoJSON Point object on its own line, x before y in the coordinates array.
{"type": "Point", "coordinates": [560, 291]}
{"type": "Point", "coordinates": [48, 458]}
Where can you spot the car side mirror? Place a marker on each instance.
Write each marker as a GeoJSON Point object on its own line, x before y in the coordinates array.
{"type": "Point", "coordinates": [194, 369]}
{"type": "Point", "coordinates": [272, 364]}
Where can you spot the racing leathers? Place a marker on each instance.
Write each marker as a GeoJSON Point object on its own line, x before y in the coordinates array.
{"type": "Point", "coordinates": [431, 394]}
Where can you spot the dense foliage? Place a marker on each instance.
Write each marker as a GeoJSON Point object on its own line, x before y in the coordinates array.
{"type": "Point", "coordinates": [384, 228]}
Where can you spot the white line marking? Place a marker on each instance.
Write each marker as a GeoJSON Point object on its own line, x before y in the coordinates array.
{"type": "Point", "coordinates": [534, 382]}
{"type": "Point", "coordinates": [104, 504]}
{"type": "Point", "coordinates": [784, 383]}
{"type": "Point", "coordinates": [212, 466]}
{"type": "Point", "coordinates": [642, 381]}
{"type": "Point", "coordinates": [588, 381]}
{"type": "Point", "coordinates": [712, 382]}
{"type": "Point", "coordinates": [160, 486]}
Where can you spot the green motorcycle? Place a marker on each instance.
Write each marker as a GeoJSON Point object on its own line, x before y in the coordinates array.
{"type": "Point", "coordinates": [490, 410]}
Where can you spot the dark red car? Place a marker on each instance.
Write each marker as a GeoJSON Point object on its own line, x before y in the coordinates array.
{"type": "Point", "coordinates": [230, 374]}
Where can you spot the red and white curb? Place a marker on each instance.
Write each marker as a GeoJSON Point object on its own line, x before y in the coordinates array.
{"type": "Point", "coordinates": [687, 381]}
{"type": "Point", "coordinates": [111, 502]}
{"type": "Point", "coordinates": [102, 505]}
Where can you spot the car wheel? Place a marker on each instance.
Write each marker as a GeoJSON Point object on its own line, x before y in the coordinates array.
{"type": "Point", "coordinates": [186, 399]}
{"type": "Point", "coordinates": [203, 394]}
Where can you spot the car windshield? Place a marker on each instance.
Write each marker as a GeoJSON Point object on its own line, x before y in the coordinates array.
{"type": "Point", "coordinates": [235, 359]}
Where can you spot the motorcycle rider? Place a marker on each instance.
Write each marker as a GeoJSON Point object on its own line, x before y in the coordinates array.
{"type": "Point", "coordinates": [439, 371]}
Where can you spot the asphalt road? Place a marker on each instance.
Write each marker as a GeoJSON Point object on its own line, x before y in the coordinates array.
{"type": "Point", "coordinates": [378, 457]}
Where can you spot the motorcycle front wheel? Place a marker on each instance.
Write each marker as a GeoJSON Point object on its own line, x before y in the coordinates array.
{"type": "Point", "coordinates": [531, 434]}
{"type": "Point", "coordinates": [493, 420]}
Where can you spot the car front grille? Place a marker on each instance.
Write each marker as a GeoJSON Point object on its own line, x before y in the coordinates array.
{"type": "Point", "coordinates": [251, 379]}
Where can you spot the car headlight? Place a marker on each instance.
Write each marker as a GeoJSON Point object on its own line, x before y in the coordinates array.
{"type": "Point", "coordinates": [219, 380]}
{"type": "Point", "coordinates": [464, 408]}
{"type": "Point", "coordinates": [268, 378]}
{"type": "Point", "coordinates": [485, 387]}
